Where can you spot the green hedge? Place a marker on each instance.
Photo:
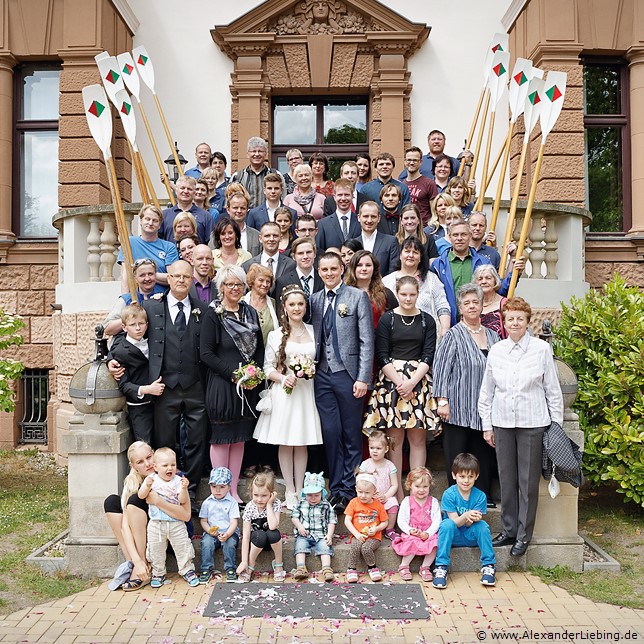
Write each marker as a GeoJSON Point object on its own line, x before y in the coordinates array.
{"type": "Point", "coordinates": [602, 338]}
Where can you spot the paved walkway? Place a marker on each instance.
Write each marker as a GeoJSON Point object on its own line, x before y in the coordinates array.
{"type": "Point", "coordinates": [520, 606]}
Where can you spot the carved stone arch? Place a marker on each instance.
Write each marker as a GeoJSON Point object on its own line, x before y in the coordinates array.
{"type": "Point", "coordinates": [317, 47]}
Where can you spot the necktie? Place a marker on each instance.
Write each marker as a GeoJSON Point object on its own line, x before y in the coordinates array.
{"type": "Point", "coordinates": [307, 288]}
{"type": "Point", "coordinates": [328, 315]}
{"type": "Point", "coordinates": [345, 226]}
{"type": "Point", "coordinates": [270, 262]}
{"type": "Point", "coordinates": [180, 320]}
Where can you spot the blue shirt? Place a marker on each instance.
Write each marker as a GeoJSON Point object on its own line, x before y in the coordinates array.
{"type": "Point", "coordinates": [193, 172]}
{"type": "Point", "coordinates": [127, 298]}
{"type": "Point", "coordinates": [427, 167]}
{"type": "Point", "coordinates": [220, 512]}
{"type": "Point", "coordinates": [161, 251]}
{"type": "Point", "coordinates": [204, 223]}
{"type": "Point", "coordinates": [372, 190]}
{"type": "Point", "coordinates": [491, 253]}
{"type": "Point", "coordinates": [452, 501]}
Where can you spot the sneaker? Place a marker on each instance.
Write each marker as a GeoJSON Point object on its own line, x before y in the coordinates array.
{"type": "Point", "coordinates": [157, 582]}
{"type": "Point", "coordinates": [404, 573]}
{"type": "Point", "coordinates": [301, 573]}
{"type": "Point", "coordinates": [191, 578]}
{"type": "Point", "coordinates": [375, 574]}
{"type": "Point", "coordinates": [205, 576]}
{"type": "Point", "coordinates": [425, 573]}
{"type": "Point", "coordinates": [231, 575]}
{"type": "Point", "coordinates": [352, 577]}
{"type": "Point", "coordinates": [391, 534]}
{"type": "Point", "coordinates": [440, 577]}
{"type": "Point", "coordinates": [488, 575]}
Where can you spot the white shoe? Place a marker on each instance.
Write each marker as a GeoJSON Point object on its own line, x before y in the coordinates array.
{"type": "Point", "coordinates": [291, 500]}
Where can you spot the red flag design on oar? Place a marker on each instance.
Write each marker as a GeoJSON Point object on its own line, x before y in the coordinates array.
{"type": "Point", "coordinates": [144, 66]}
{"type": "Point", "coordinates": [110, 75]}
{"type": "Point", "coordinates": [129, 73]}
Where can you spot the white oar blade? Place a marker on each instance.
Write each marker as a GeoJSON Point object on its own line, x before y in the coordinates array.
{"type": "Point", "coordinates": [144, 66]}
{"type": "Point", "coordinates": [519, 84]}
{"type": "Point", "coordinates": [554, 93]}
{"type": "Point", "coordinates": [129, 74]}
{"type": "Point", "coordinates": [110, 75]}
{"type": "Point", "coordinates": [99, 117]}
{"type": "Point", "coordinates": [126, 112]}
{"type": "Point", "coordinates": [498, 76]}
{"type": "Point", "coordinates": [499, 42]}
{"type": "Point", "coordinates": [533, 106]}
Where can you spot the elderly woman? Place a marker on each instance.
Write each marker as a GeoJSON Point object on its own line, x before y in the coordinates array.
{"type": "Point", "coordinates": [184, 224]}
{"type": "Point", "coordinates": [488, 279]}
{"type": "Point", "coordinates": [520, 397]}
{"type": "Point", "coordinates": [230, 337]}
{"type": "Point", "coordinates": [293, 158]}
{"type": "Point", "coordinates": [305, 199]}
{"type": "Point", "coordinates": [431, 296]}
{"type": "Point", "coordinates": [260, 281]}
{"type": "Point", "coordinates": [401, 403]}
{"type": "Point", "coordinates": [459, 365]}
{"type": "Point", "coordinates": [226, 238]}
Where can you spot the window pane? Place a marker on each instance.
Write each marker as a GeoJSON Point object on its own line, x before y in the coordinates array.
{"type": "Point", "coordinates": [40, 95]}
{"type": "Point", "coordinates": [39, 184]}
{"type": "Point", "coordinates": [345, 123]}
{"type": "Point", "coordinates": [294, 124]}
{"type": "Point", "coordinates": [604, 159]}
{"type": "Point", "coordinates": [602, 89]}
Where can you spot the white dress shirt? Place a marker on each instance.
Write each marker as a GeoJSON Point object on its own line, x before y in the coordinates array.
{"type": "Point", "coordinates": [174, 309]}
{"type": "Point", "coordinates": [369, 241]}
{"type": "Point", "coordinates": [141, 345]}
{"type": "Point", "coordinates": [520, 386]}
{"type": "Point", "coordinates": [244, 238]}
{"type": "Point", "coordinates": [264, 261]}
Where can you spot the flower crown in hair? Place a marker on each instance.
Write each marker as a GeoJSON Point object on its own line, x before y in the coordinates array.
{"type": "Point", "coordinates": [289, 290]}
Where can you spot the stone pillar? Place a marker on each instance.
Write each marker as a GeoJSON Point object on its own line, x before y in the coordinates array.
{"type": "Point", "coordinates": [7, 238]}
{"type": "Point", "coordinates": [636, 68]}
{"type": "Point", "coordinates": [96, 445]}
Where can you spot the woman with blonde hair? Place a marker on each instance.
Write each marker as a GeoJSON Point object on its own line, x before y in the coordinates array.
{"type": "Point", "coordinates": [458, 189]}
{"type": "Point", "coordinates": [184, 224]}
{"type": "Point", "coordinates": [439, 205]}
{"type": "Point", "coordinates": [411, 224]}
{"type": "Point", "coordinates": [260, 281]}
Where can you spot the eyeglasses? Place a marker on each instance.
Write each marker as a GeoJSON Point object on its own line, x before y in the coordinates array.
{"type": "Point", "coordinates": [233, 285]}
{"type": "Point", "coordinates": [180, 277]}
{"type": "Point", "coordinates": [143, 261]}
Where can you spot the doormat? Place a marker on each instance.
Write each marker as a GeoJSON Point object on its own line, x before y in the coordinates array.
{"type": "Point", "coordinates": [318, 601]}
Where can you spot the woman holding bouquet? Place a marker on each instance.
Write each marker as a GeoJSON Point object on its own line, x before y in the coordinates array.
{"type": "Point", "coordinates": [293, 422]}
{"type": "Point", "coordinates": [230, 340]}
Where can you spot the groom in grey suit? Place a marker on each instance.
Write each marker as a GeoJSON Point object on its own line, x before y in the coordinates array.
{"type": "Point", "coordinates": [343, 324]}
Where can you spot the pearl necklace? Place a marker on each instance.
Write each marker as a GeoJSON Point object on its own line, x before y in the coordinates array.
{"type": "Point", "coordinates": [413, 319]}
{"type": "Point", "coordinates": [471, 330]}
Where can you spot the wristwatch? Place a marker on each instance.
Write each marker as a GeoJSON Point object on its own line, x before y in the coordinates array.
{"type": "Point", "coordinates": [442, 403]}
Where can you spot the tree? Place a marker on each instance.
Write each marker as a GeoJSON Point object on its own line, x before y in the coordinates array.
{"type": "Point", "coordinates": [10, 369]}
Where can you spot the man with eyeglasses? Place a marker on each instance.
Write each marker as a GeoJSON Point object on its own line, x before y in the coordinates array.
{"type": "Point", "coordinates": [421, 189]}
{"type": "Point", "coordinates": [149, 246]}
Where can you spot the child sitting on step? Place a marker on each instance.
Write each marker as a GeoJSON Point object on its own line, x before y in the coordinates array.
{"type": "Point", "coordinates": [314, 521]}
{"type": "Point", "coordinates": [261, 528]}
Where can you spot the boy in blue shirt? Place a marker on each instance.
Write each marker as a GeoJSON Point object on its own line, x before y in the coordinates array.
{"type": "Point", "coordinates": [463, 506]}
{"type": "Point", "coordinates": [219, 516]}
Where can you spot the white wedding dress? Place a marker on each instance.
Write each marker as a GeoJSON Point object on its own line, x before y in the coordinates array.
{"type": "Point", "coordinates": [294, 418]}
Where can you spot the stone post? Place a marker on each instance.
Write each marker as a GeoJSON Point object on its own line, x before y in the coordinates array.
{"type": "Point", "coordinates": [96, 445]}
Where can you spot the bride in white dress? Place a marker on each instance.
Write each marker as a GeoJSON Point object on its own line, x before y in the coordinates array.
{"type": "Point", "coordinates": [293, 422]}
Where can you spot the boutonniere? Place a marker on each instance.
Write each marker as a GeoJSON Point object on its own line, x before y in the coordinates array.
{"type": "Point", "coordinates": [196, 314]}
{"type": "Point", "coordinates": [218, 308]}
{"type": "Point", "coordinates": [343, 310]}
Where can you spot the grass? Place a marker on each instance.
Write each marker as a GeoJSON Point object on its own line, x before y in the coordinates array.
{"type": "Point", "coordinates": [33, 510]}
{"type": "Point", "coordinates": [616, 527]}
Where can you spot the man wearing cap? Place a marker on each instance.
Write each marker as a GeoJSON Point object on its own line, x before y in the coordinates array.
{"type": "Point", "coordinates": [219, 516]}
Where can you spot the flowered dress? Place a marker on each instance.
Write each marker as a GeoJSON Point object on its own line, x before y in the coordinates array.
{"type": "Point", "coordinates": [426, 518]}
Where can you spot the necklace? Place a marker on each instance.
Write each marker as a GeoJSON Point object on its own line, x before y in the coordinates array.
{"type": "Point", "coordinates": [471, 330]}
{"type": "Point", "coordinates": [300, 334]}
{"type": "Point", "coordinates": [402, 318]}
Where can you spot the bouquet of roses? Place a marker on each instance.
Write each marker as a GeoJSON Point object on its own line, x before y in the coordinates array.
{"type": "Point", "coordinates": [302, 367]}
{"type": "Point", "coordinates": [249, 375]}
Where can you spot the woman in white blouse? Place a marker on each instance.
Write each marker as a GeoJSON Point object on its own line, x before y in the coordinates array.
{"type": "Point", "coordinates": [520, 396]}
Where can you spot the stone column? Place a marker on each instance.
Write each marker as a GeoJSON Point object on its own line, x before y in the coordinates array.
{"type": "Point", "coordinates": [96, 445]}
{"type": "Point", "coordinates": [7, 63]}
{"type": "Point", "coordinates": [636, 68]}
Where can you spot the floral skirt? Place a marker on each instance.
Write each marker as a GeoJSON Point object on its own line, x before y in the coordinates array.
{"type": "Point", "coordinates": [387, 409]}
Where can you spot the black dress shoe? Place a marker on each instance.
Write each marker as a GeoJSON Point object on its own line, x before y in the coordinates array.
{"type": "Point", "coordinates": [491, 505]}
{"type": "Point", "coordinates": [502, 539]}
{"type": "Point", "coordinates": [519, 548]}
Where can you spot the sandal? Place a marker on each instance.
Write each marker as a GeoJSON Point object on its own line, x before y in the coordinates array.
{"type": "Point", "coordinates": [425, 573]}
{"type": "Point", "coordinates": [278, 575]}
{"type": "Point", "coordinates": [404, 573]}
{"type": "Point", "coordinates": [133, 584]}
{"type": "Point", "coordinates": [301, 573]}
{"type": "Point", "coordinates": [327, 574]}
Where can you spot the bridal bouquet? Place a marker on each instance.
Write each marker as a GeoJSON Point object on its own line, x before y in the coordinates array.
{"type": "Point", "coordinates": [302, 367]}
{"type": "Point", "coordinates": [249, 375]}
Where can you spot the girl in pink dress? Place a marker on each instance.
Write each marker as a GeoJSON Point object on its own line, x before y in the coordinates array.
{"type": "Point", "coordinates": [386, 477]}
{"type": "Point", "coordinates": [419, 518]}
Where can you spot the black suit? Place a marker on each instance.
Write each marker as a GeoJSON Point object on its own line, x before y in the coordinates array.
{"type": "Point", "coordinates": [330, 232]}
{"type": "Point", "coordinates": [184, 376]}
{"type": "Point", "coordinates": [140, 411]}
{"type": "Point", "coordinates": [283, 264]}
{"type": "Point", "coordinates": [387, 251]}
{"type": "Point", "coordinates": [330, 205]}
{"type": "Point", "coordinates": [291, 277]}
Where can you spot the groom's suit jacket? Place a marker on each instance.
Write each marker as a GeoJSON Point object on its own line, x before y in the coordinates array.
{"type": "Point", "coordinates": [353, 333]}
